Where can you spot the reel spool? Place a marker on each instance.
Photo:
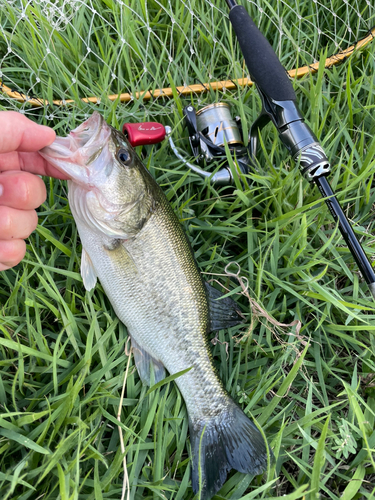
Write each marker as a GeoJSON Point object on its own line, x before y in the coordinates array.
{"type": "Point", "coordinates": [216, 123]}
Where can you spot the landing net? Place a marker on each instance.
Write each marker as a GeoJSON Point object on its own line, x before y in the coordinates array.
{"type": "Point", "coordinates": [65, 51]}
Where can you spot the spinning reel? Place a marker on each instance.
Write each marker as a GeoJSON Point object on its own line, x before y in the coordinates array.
{"type": "Point", "coordinates": [210, 129]}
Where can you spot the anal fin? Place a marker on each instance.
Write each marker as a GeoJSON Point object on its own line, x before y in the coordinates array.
{"type": "Point", "coordinates": [224, 313]}
{"type": "Point", "coordinates": [145, 363]}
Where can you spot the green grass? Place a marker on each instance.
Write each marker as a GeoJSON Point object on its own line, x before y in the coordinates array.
{"type": "Point", "coordinates": [62, 359]}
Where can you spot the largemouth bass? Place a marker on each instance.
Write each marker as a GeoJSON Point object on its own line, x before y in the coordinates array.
{"type": "Point", "coordinates": [133, 242]}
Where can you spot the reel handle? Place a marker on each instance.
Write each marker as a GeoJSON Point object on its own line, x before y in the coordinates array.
{"type": "Point", "coordinates": [144, 133]}
{"type": "Point", "coordinates": [141, 134]}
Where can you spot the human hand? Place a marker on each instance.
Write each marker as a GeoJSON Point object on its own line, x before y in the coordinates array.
{"type": "Point", "coordinates": [20, 190]}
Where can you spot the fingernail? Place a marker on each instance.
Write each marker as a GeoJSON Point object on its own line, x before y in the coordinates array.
{"type": "Point", "coordinates": [1, 189]}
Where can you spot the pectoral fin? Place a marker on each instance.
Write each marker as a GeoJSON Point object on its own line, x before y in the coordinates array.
{"type": "Point", "coordinates": [145, 363]}
{"type": "Point", "coordinates": [224, 313]}
{"type": "Point", "coordinates": [88, 272]}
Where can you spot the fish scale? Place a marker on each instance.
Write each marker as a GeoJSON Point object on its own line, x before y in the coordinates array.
{"type": "Point", "coordinates": [133, 242]}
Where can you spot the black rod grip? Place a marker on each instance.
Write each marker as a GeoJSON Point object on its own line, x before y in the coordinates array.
{"type": "Point", "coordinates": [263, 64]}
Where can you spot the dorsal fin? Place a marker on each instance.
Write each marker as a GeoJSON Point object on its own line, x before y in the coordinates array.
{"type": "Point", "coordinates": [224, 313]}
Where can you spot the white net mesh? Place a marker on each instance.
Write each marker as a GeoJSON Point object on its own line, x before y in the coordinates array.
{"type": "Point", "coordinates": [72, 49]}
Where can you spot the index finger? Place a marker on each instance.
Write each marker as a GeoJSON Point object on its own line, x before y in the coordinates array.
{"type": "Point", "coordinates": [18, 133]}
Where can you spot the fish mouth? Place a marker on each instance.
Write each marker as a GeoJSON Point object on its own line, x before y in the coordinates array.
{"type": "Point", "coordinates": [69, 154]}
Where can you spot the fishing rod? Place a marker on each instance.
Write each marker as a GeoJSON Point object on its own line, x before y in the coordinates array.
{"type": "Point", "coordinates": [279, 106]}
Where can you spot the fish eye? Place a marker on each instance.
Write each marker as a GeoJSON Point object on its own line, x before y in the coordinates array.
{"type": "Point", "coordinates": [123, 156]}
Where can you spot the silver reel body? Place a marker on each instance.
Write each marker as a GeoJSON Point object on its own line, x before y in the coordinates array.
{"type": "Point", "coordinates": [210, 130]}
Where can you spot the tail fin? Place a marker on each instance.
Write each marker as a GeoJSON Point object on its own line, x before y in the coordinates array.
{"type": "Point", "coordinates": [227, 441]}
